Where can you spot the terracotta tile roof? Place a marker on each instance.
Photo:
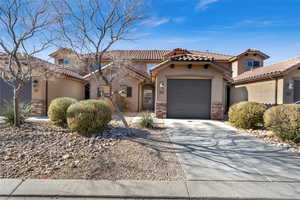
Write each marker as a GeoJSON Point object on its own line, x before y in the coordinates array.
{"type": "Point", "coordinates": [141, 73]}
{"type": "Point", "coordinates": [270, 71]}
{"type": "Point", "coordinates": [191, 57]}
{"type": "Point", "coordinates": [252, 51]}
{"type": "Point", "coordinates": [37, 62]}
{"type": "Point", "coordinates": [57, 69]}
{"type": "Point", "coordinates": [158, 55]}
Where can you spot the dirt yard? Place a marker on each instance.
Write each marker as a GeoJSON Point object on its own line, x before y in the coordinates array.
{"type": "Point", "coordinates": [40, 150]}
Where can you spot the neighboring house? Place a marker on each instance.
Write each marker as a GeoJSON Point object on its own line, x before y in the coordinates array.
{"type": "Point", "coordinates": [49, 81]}
{"type": "Point", "coordinates": [174, 83]}
{"type": "Point", "coordinates": [274, 84]}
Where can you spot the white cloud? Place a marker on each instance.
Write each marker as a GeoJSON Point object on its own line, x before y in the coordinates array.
{"type": "Point", "coordinates": [179, 19]}
{"type": "Point", "coordinates": [202, 4]}
{"type": "Point", "coordinates": [154, 22]}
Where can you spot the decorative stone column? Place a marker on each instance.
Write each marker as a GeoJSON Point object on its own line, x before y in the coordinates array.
{"type": "Point", "coordinates": [161, 110]}
{"type": "Point", "coordinates": [38, 107]}
{"type": "Point", "coordinates": [217, 112]}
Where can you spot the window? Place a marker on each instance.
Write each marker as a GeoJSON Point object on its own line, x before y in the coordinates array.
{"type": "Point", "coordinates": [256, 64]}
{"type": "Point", "coordinates": [150, 66]}
{"type": "Point", "coordinates": [250, 63]}
{"type": "Point", "coordinates": [60, 61]}
{"type": "Point", "coordinates": [63, 62]}
{"type": "Point", "coordinates": [126, 91]}
{"type": "Point", "coordinates": [129, 91]}
{"type": "Point", "coordinates": [253, 63]}
{"type": "Point", "coordinates": [103, 91]}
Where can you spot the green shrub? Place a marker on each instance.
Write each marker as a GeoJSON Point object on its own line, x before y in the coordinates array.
{"type": "Point", "coordinates": [247, 114]}
{"type": "Point", "coordinates": [90, 116]}
{"type": "Point", "coordinates": [284, 121]}
{"type": "Point", "coordinates": [9, 116]}
{"type": "Point", "coordinates": [147, 120]}
{"type": "Point", "coordinates": [58, 110]}
{"type": "Point", "coordinates": [109, 103]}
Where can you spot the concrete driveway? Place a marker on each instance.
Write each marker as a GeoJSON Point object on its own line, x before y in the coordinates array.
{"type": "Point", "coordinates": [213, 151]}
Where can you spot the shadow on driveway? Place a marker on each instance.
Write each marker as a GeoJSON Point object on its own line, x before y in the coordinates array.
{"type": "Point", "coordinates": [211, 150]}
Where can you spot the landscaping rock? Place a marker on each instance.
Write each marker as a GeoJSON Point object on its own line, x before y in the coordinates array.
{"type": "Point", "coordinates": [271, 138]}
{"type": "Point", "coordinates": [41, 150]}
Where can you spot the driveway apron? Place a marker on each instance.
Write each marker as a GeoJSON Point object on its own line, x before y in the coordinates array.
{"type": "Point", "coordinates": [213, 151]}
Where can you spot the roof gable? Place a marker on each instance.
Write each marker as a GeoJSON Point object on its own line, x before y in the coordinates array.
{"type": "Point", "coordinates": [269, 71]}
{"type": "Point", "coordinates": [190, 58]}
{"type": "Point", "coordinates": [250, 51]}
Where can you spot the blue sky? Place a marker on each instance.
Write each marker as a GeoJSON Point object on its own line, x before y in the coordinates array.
{"type": "Point", "coordinates": [224, 26]}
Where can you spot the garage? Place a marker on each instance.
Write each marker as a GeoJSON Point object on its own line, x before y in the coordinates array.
{"type": "Point", "coordinates": [189, 98]}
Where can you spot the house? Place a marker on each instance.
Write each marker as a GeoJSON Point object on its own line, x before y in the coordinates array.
{"type": "Point", "coordinates": [176, 83]}
{"type": "Point", "coordinates": [278, 83]}
{"type": "Point", "coordinates": [49, 81]}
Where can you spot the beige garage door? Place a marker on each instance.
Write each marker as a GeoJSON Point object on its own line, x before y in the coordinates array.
{"type": "Point", "coordinates": [188, 98]}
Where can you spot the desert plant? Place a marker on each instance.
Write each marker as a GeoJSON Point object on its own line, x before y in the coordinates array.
{"type": "Point", "coordinates": [89, 116]}
{"type": "Point", "coordinates": [109, 103]}
{"type": "Point", "coordinates": [147, 120]}
{"type": "Point", "coordinates": [57, 111]}
{"type": "Point", "coordinates": [9, 116]}
{"type": "Point", "coordinates": [284, 121]}
{"type": "Point", "coordinates": [247, 114]}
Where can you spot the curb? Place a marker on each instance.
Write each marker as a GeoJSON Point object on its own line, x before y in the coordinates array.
{"type": "Point", "coordinates": [209, 190]}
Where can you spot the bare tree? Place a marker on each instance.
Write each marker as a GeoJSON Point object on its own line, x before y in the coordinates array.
{"type": "Point", "coordinates": [91, 27]}
{"type": "Point", "coordinates": [23, 34]}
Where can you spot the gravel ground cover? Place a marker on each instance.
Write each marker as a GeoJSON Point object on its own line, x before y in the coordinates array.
{"type": "Point", "coordinates": [271, 138]}
{"type": "Point", "coordinates": [40, 150]}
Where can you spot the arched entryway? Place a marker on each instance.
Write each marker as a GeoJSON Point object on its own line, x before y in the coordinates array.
{"type": "Point", "coordinates": [148, 97]}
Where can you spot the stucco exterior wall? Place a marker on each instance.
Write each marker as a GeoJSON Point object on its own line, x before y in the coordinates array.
{"type": "Point", "coordinates": [134, 101]}
{"type": "Point", "coordinates": [239, 66]}
{"type": "Point", "coordinates": [196, 72]}
{"type": "Point", "coordinates": [57, 87]}
{"type": "Point", "coordinates": [290, 78]}
{"type": "Point", "coordinates": [61, 87]}
{"type": "Point", "coordinates": [74, 62]}
{"type": "Point", "coordinates": [261, 92]}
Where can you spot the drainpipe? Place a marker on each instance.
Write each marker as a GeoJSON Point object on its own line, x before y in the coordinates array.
{"type": "Point", "coordinates": [276, 91]}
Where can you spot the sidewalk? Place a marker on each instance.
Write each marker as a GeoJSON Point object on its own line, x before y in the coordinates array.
{"type": "Point", "coordinates": [149, 189]}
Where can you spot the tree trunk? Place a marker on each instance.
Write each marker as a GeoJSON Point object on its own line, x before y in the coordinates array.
{"type": "Point", "coordinates": [16, 107]}
{"type": "Point", "coordinates": [120, 114]}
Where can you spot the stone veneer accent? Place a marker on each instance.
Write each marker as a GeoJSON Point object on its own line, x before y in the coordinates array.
{"type": "Point", "coordinates": [217, 111]}
{"type": "Point", "coordinates": [38, 107]}
{"type": "Point", "coordinates": [161, 110]}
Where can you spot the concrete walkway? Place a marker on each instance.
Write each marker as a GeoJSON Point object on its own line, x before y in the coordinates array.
{"type": "Point", "coordinates": [15, 188]}
{"type": "Point", "coordinates": [30, 119]}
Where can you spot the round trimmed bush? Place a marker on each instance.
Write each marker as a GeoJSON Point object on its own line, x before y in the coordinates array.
{"type": "Point", "coordinates": [89, 116]}
{"type": "Point", "coordinates": [58, 110]}
{"type": "Point", "coordinates": [247, 114]}
{"type": "Point", "coordinates": [109, 103]}
{"type": "Point", "coordinates": [284, 121]}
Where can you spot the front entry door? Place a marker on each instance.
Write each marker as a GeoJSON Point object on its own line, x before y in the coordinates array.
{"type": "Point", "coordinates": [148, 98]}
